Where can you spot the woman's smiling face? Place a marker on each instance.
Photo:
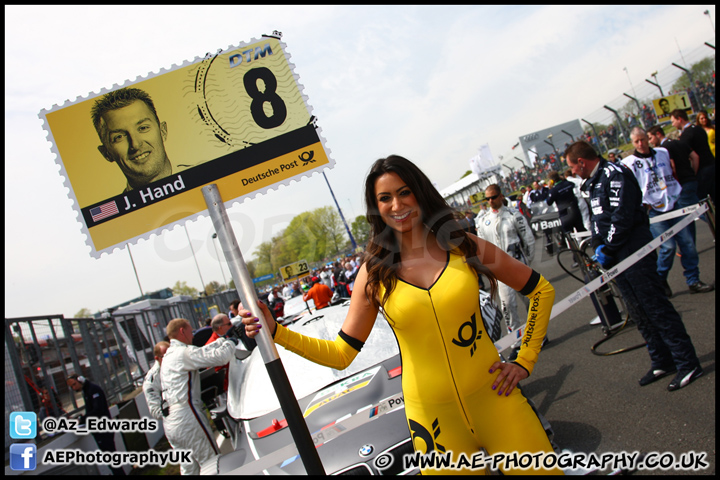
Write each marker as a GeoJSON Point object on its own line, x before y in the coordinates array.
{"type": "Point", "coordinates": [396, 203]}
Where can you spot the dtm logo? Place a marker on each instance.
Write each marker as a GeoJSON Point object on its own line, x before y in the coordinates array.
{"type": "Point", "coordinates": [418, 431]}
{"type": "Point", "coordinates": [237, 59]}
{"type": "Point", "coordinates": [23, 456]}
{"type": "Point", "coordinates": [475, 335]}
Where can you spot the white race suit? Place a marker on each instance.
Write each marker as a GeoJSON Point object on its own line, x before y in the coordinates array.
{"type": "Point", "coordinates": [186, 426]}
{"type": "Point", "coordinates": [152, 388]}
{"type": "Point", "coordinates": [509, 230]}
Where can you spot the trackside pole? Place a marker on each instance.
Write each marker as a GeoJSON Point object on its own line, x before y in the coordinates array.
{"type": "Point", "coordinates": [246, 290]}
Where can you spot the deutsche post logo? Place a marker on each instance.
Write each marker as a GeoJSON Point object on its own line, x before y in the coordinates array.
{"type": "Point", "coordinates": [475, 334]}
{"type": "Point", "coordinates": [418, 431]}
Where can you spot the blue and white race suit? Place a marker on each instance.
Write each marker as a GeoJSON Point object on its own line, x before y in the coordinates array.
{"type": "Point", "coordinates": [509, 230]}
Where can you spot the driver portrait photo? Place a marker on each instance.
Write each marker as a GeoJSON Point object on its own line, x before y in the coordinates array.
{"type": "Point", "coordinates": [665, 105]}
{"type": "Point", "coordinates": [132, 136]}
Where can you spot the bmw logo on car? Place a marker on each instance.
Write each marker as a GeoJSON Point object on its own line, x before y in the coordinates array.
{"type": "Point", "coordinates": [366, 450]}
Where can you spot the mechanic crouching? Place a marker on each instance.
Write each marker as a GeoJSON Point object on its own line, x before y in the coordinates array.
{"type": "Point", "coordinates": [186, 425]}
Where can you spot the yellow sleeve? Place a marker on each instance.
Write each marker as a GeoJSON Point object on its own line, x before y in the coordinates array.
{"type": "Point", "coordinates": [338, 354]}
{"type": "Point", "coordinates": [711, 140]}
{"type": "Point", "coordinates": [541, 298]}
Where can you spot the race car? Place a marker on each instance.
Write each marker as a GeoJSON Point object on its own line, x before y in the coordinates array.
{"type": "Point", "coordinates": [366, 395]}
{"type": "Point", "coordinates": [545, 223]}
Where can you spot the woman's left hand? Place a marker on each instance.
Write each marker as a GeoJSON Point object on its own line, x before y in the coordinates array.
{"type": "Point", "coordinates": [509, 376]}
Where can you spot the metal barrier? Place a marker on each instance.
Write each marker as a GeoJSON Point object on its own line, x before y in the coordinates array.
{"type": "Point", "coordinates": [115, 353]}
{"type": "Point", "coordinates": [42, 352]}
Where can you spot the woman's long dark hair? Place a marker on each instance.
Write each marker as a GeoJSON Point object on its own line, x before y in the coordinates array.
{"type": "Point", "coordinates": [382, 255]}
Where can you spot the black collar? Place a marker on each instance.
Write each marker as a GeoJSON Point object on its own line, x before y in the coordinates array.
{"type": "Point", "coordinates": [644, 155]}
{"type": "Point", "coordinates": [587, 185]}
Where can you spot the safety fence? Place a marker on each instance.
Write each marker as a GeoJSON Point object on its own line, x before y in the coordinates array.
{"type": "Point", "coordinates": [114, 352]}
{"type": "Point", "coordinates": [635, 106]}
{"type": "Point", "coordinates": [42, 352]}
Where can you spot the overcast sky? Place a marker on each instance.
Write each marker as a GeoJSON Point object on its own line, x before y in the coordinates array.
{"type": "Point", "coordinates": [431, 83]}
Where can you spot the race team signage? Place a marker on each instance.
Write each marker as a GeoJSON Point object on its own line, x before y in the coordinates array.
{"type": "Point", "coordinates": [664, 105]}
{"type": "Point", "coordinates": [294, 271]}
{"type": "Point", "coordinates": [135, 157]}
{"type": "Point", "coordinates": [477, 198]}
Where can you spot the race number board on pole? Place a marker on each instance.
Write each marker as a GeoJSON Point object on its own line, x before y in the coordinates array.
{"type": "Point", "coordinates": [294, 271]}
{"type": "Point", "coordinates": [135, 157]}
{"type": "Point", "coordinates": [145, 156]}
{"type": "Point", "coordinates": [664, 105]}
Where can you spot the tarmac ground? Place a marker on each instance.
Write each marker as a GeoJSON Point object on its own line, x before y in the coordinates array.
{"type": "Point", "coordinates": [594, 403]}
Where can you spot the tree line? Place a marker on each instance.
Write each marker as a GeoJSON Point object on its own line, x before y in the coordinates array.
{"type": "Point", "coordinates": [316, 236]}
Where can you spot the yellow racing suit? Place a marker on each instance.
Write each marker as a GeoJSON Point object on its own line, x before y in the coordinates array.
{"type": "Point", "coordinates": [446, 356]}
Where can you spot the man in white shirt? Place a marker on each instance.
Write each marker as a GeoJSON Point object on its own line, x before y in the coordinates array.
{"type": "Point", "coordinates": [661, 190]}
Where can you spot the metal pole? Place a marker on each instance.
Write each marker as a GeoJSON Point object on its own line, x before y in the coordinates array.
{"type": "Point", "coordinates": [656, 83]}
{"type": "Point", "coordinates": [214, 236]}
{"type": "Point", "coordinates": [600, 145]}
{"type": "Point", "coordinates": [707, 12]}
{"type": "Point", "coordinates": [243, 283]}
{"type": "Point", "coordinates": [691, 88]}
{"type": "Point", "coordinates": [142, 295]}
{"type": "Point", "coordinates": [631, 84]}
{"type": "Point", "coordinates": [642, 123]}
{"type": "Point", "coordinates": [572, 139]}
{"type": "Point", "coordinates": [620, 124]}
{"type": "Point", "coordinates": [553, 147]}
{"type": "Point", "coordinates": [679, 50]}
{"type": "Point", "coordinates": [352, 240]}
{"type": "Point", "coordinates": [658, 86]}
{"type": "Point", "coordinates": [202, 282]}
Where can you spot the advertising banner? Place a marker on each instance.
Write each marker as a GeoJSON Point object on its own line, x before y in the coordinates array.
{"type": "Point", "coordinates": [264, 278]}
{"type": "Point", "coordinates": [135, 157]}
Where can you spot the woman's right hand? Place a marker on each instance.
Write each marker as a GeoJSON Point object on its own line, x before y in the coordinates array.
{"type": "Point", "coordinates": [252, 323]}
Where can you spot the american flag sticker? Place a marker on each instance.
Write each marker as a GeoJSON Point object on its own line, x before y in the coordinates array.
{"type": "Point", "coordinates": [104, 211]}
